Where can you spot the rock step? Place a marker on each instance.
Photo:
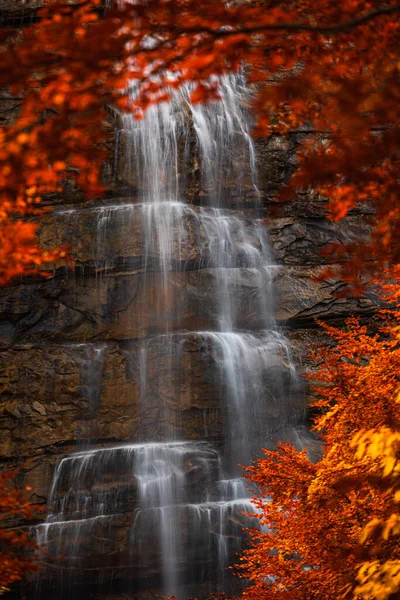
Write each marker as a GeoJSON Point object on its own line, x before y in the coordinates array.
{"type": "Point", "coordinates": [157, 235]}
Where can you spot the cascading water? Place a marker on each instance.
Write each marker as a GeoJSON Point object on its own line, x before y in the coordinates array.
{"type": "Point", "coordinates": [183, 498]}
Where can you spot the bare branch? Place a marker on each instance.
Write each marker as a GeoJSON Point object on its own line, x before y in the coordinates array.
{"type": "Point", "coordinates": [299, 27]}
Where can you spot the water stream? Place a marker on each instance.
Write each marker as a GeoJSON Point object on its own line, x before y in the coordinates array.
{"type": "Point", "coordinates": [182, 500]}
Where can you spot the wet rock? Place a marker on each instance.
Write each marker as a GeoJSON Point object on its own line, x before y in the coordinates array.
{"type": "Point", "coordinates": [302, 296]}
{"type": "Point", "coordinates": [130, 305]}
{"type": "Point", "coordinates": [302, 241]}
{"type": "Point", "coordinates": [17, 12]}
{"type": "Point", "coordinates": [11, 408]}
{"type": "Point", "coordinates": [39, 407]}
{"type": "Point", "coordinates": [184, 398]}
{"type": "Point", "coordinates": [9, 107]}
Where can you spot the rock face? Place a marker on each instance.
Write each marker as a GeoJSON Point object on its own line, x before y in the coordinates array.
{"type": "Point", "coordinates": [18, 12]}
{"type": "Point", "coordinates": [131, 346]}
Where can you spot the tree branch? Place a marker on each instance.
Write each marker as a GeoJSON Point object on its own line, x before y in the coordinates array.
{"type": "Point", "coordinates": [299, 27]}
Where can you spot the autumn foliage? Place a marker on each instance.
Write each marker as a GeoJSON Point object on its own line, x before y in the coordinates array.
{"type": "Point", "coordinates": [66, 69]}
{"type": "Point", "coordinates": [16, 546]}
{"type": "Point", "coordinates": [335, 519]}
{"type": "Point", "coordinates": [327, 67]}
{"type": "Point", "coordinates": [381, 579]}
{"type": "Point", "coordinates": [330, 70]}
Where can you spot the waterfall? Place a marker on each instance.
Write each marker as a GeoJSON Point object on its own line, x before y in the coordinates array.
{"type": "Point", "coordinates": [183, 503]}
{"type": "Point", "coordinates": [181, 499]}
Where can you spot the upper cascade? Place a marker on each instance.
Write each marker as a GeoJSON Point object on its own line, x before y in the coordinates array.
{"type": "Point", "coordinates": [159, 148]}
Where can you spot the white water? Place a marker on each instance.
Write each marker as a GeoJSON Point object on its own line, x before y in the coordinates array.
{"type": "Point", "coordinates": [169, 483]}
{"type": "Point", "coordinates": [185, 500]}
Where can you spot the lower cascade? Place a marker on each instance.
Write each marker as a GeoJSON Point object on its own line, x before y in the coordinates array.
{"type": "Point", "coordinates": [186, 514]}
{"type": "Point", "coordinates": [166, 509]}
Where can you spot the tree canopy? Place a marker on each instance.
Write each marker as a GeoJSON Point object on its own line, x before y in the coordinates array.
{"type": "Point", "coordinates": [331, 68]}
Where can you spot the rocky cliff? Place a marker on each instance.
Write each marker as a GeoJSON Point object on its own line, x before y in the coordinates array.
{"type": "Point", "coordinates": [68, 342]}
